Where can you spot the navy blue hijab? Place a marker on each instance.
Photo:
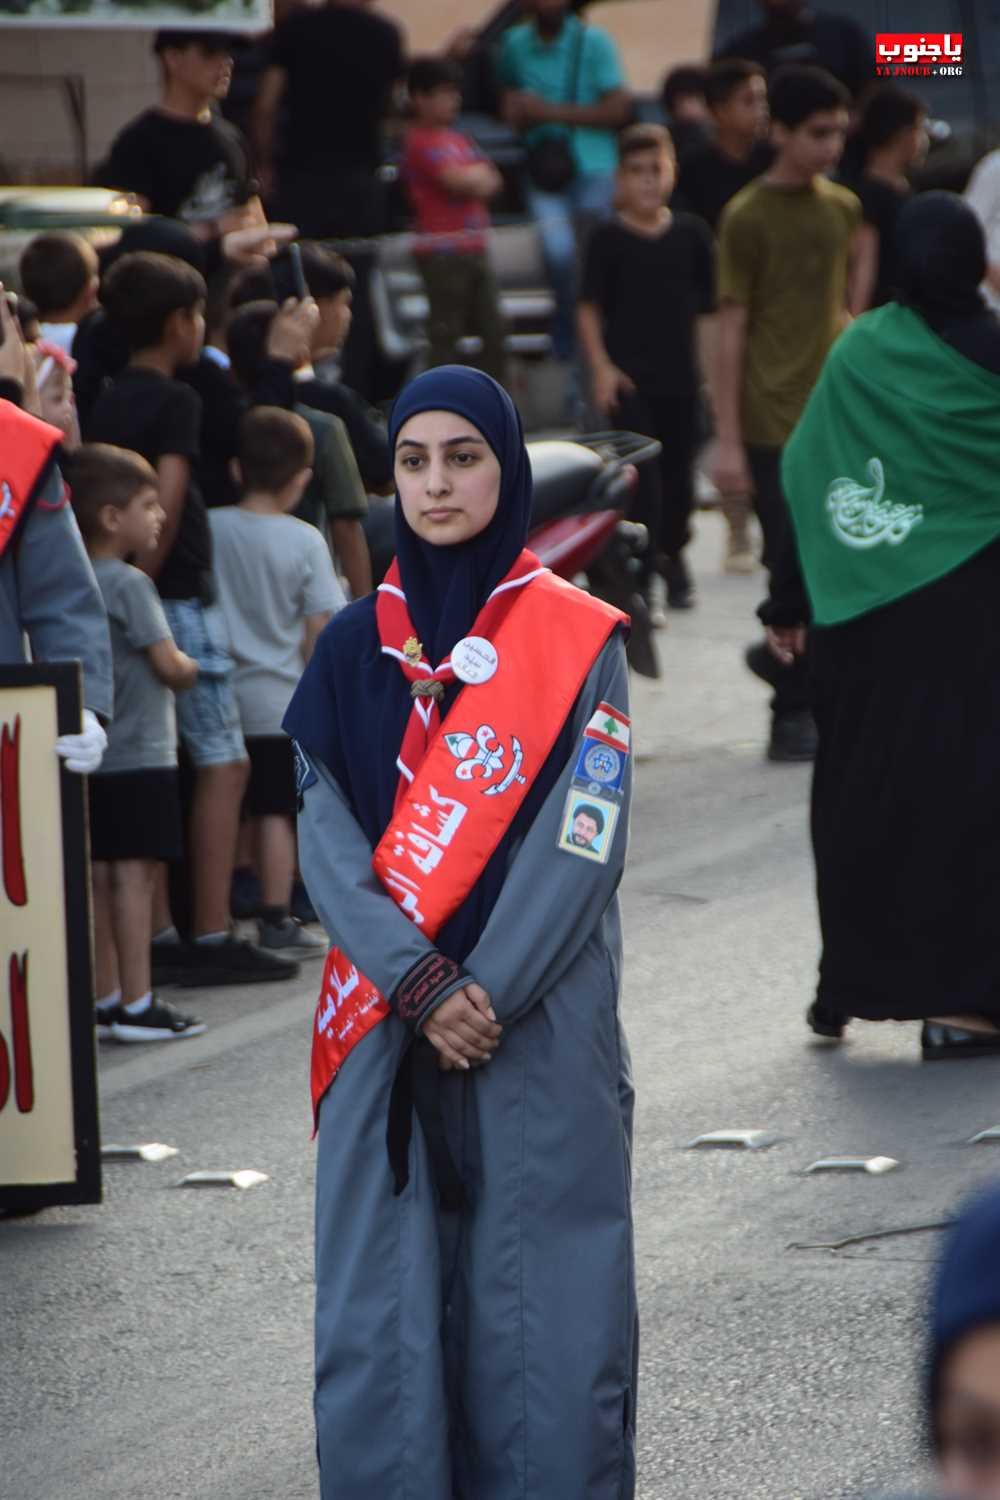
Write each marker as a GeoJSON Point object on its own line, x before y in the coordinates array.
{"type": "Point", "coordinates": [352, 705]}
{"type": "Point", "coordinates": [966, 1287]}
{"type": "Point", "coordinates": [446, 587]}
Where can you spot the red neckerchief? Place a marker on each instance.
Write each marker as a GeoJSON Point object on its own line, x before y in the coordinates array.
{"type": "Point", "coordinates": [399, 639]}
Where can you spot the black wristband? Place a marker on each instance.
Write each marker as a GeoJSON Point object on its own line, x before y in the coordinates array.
{"type": "Point", "coordinates": [430, 978]}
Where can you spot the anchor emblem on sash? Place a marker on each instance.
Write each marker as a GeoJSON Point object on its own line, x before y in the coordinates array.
{"type": "Point", "coordinates": [483, 751]}
{"type": "Point", "coordinates": [6, 500]}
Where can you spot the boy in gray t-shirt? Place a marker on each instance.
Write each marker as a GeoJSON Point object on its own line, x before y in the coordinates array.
{"type": "Point", "coordinates": [135, 819]}
{"type": "Point", "coordinates": [277, 589]}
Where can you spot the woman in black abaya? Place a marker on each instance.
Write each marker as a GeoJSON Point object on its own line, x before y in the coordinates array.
{"type": "Point", "coordinates": [906, 791]}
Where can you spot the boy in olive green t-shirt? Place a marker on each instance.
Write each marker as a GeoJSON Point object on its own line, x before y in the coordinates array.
{"type": "Point", "coordinates": [789, 257]}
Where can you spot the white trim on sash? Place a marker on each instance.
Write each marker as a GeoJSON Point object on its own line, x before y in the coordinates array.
{"type": "Point", "coordinates": [516, 583]}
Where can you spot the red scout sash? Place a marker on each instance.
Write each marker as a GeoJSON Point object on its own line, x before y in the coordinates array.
{"type": "Point", "coordinates": [26, 446]}
{"type": "Point", "coordinates": [533, 643]}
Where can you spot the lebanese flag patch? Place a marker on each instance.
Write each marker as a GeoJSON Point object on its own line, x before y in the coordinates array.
{"type": "Point", "coordinates": [610, 727]}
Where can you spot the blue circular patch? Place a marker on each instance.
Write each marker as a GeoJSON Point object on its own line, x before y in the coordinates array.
{"type": "Point", "coordinates": [602, 764]}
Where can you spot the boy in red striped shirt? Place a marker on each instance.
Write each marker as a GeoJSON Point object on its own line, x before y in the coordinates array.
{"type": "Point", "coordinates": [449, 183]}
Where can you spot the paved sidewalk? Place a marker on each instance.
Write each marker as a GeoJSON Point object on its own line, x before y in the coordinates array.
{"type": "Point", "coordinates": [160, 1345]}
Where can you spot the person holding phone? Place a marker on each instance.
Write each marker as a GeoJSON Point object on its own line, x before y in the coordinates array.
{"type": "Point", "coordinates": [48, 593]}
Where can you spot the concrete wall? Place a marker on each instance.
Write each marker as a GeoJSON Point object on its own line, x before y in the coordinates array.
{"type": "Point", "coordinates": [120, 74]}
{"type": "Point", "coordinates": [37, 142]}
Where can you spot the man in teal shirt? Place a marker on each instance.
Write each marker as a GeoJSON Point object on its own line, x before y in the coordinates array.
{"type": "Point", "coordinates": [537, 63]}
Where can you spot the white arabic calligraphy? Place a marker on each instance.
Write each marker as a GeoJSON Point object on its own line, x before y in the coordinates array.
{"type": "Point", "coordinates": [407, 895]}
{"type": "Point", "coordinates": [924, 50]}
{"type": "Point", "coordinates": [862, 517]}
{"type": "Point", "coordinates": [425, 846]}
{"type": "Point", "coordinates": [344, 989]}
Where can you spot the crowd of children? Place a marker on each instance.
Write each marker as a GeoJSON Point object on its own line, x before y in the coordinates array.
{"type": "Point", "coordinates": [184, 487]}
{"type": "Point", "coordinates": [224, 465]}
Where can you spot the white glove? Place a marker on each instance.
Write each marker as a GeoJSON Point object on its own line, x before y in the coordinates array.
{"type": "Point", "coordinates": [83, 752]}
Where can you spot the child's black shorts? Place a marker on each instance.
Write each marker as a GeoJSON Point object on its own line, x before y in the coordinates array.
{"type": "Point", "coordinates": [135, 815]}
{"type": "Point", "coordinates": [271, 788]}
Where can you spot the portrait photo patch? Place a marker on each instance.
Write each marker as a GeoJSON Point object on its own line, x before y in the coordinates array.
{"type": "Point", "coordinates": [588, 825]}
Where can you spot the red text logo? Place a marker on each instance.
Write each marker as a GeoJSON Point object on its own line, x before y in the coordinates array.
{"type": "Point", "coordinates": [909, 54]}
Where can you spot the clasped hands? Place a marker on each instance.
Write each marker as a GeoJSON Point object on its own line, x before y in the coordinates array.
{"type": "Point", "coordinates": [464, 1029]}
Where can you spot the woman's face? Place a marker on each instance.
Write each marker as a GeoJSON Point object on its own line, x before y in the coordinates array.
{"type": "Point", "coordinates": [448, 477]}
{"type": "Point", "coordinates": [969, 1417]}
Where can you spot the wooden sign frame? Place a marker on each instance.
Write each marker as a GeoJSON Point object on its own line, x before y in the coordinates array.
{"type": "Point", "coordinates": [235, 16]}
{"type": "Point", "coordinates": [70, 1064]}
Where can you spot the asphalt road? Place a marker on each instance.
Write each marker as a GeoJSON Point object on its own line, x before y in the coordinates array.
{"type": "Point", "coordinates": [160, 1345]}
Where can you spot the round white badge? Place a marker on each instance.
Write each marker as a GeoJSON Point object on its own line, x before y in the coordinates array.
{"type": "Point", "coordinates": [474, 660]}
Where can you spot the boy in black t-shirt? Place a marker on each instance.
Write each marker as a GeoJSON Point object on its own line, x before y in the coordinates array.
{"type": "Point", "coordinates": [710, 175]}
{"type": "Point", "coordinates": [156, 302]}
{"type": "Point", "coordinates": [182, 159]}
{"type": "Point", "coordinates": [713, 172]}
{"type": "Point", "coordinates": [890, 140]}
{"type": "Point", "coordinates": [648, 278]}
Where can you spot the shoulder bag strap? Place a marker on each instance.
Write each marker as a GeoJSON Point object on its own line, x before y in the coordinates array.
{"type": "Point", "coordinates": [574, 81]}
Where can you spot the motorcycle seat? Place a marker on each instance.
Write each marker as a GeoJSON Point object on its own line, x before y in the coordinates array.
{"type": "Point", "coordinates": [562, 474]}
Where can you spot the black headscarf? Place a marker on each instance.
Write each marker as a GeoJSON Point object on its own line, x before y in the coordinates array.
{"type": "Point", "coordinates": [352, 704]}
{"type": "Point", "coordinates": [940, 257]}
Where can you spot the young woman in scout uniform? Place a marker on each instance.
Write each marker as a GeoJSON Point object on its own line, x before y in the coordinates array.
{"type": "Point", "coordinates": [463, 752]}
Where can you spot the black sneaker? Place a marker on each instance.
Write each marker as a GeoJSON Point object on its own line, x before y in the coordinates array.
{"type": "Point", "coordinates": [234, 962]}
{"type": "Point", "coordinates": [159, 1022]}
{"type": "Point", "coordinates": [793, 736]}
{"type": "Point", "coordinates": [680, 589]}
{"type": "Point", "coordinates": [169, 962]}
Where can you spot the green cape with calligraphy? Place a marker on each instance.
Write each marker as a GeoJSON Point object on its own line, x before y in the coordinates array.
{"type": "Point", "coordinates": [892, 475]}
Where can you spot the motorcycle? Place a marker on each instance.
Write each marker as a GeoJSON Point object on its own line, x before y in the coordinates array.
{"type": "Point", "coordinates": [582, 488]}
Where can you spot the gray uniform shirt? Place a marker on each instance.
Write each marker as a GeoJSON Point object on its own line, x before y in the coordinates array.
{"type": "Point", "coordinates": [143, 735]}
{"type": "Point", "coordinates": [271, 572]}
{"type": "Point", "coordinates": [553, 900]}
{"type": "Point", "coordinates": [49, 599]}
